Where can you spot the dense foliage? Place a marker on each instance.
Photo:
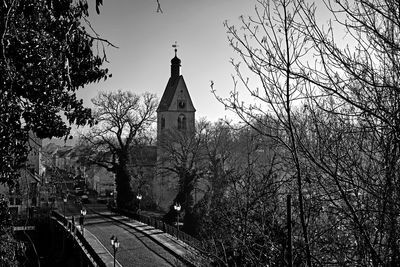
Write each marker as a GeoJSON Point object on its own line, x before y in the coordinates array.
{"type": "Point", "coordinates": [45, 56]}
{"type": "Point", "coordinates": [11, 250]}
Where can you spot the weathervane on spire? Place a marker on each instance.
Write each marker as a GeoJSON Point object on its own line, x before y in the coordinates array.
{"type": "Point", "coordinates": [175, 46]}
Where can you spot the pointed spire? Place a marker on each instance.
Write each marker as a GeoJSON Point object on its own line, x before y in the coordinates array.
{"type": "Point", "coordinates": [175, 63]}
{"type": "Point", "coordinates": [176, 47]}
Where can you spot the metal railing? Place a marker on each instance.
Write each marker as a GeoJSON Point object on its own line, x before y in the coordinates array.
{"type": "Point", "coordinates": [85, 244]}
{"type": "Point", "coordinates": [59, 217]}
{"type": "Point", "coordinates": [166, 228]}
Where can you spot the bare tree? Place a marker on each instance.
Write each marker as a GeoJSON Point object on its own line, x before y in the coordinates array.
{"type": "Point", "coordinates": [359, 91]}
{"type": "Point", "coordinates": [218, 148]}
{"type": "Point", "coordinates": [124, 122]}
{"type": "Point", "coordinates": [181, 156]}
{"type": "Point", "coordinates": [335, 109]}
{"type": "Point", "coordinates": [270, 47]}
{"type": "Point", "coordinates": [245, 190]}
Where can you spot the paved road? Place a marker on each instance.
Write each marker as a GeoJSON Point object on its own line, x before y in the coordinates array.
{"type": "Point", "coordinates": [72, 208]}
{"type": "Point", "coordinates": [136, 249]}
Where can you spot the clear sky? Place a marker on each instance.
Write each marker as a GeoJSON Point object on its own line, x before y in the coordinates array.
{"type": "Point", "coordinates": [145, 38]}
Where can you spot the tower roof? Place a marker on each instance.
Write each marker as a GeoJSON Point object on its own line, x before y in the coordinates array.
{"type": "Point", "coordinates": [169, 93]}
{"type": "Point", "coordinates": [175, 61]}
{"type": "Point", "coordinates": [176, 80]}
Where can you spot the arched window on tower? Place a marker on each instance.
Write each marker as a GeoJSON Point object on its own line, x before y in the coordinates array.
{"type": "Point", "coordinates": [162, 123]}
{"type": "Point", "coordinates": [184, 122]}
{"type": "Point", "coordinates": [181, 122]}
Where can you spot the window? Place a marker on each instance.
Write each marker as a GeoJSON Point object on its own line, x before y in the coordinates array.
{"type": "Point", "coordinates": [181, 104]}
{"type": "Point", "coordinates": [162, 123]}
{"type": "Point", "coordinates": [181, 122]}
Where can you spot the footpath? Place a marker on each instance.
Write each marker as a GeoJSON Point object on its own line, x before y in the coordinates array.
{"type": "Point", "coordinates": [102, 251]}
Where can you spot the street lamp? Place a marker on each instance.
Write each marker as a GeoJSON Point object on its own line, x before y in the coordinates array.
{"type": "Point", "coordinates": [82, 220]}
{"type": "Point", "coordinates": [139, 197]}
{"type": "Point", "coordinates": [115, 246]}
{"type": "Point", "coordinates": [65, 201]}
{"type": "Point", "coordinates": [177, 207]}
{"type": "Point", "coordinates": [111, 201]}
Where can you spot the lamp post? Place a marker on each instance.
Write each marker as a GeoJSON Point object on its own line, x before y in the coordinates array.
{"type": "Point", "coordinates": [115, 246]}
{"type": "Point", "coordinates": [177, 207]}
{"type": "Point", "coordinates": [82, 220]}
{"type": "Point", "coordinates": [110, 201]}
{"type": "Point", "coordinates": [139, 197]}
{"type": "Point", "coordinates": [65, 201]}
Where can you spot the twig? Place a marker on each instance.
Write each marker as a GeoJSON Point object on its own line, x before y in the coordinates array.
{"type": "Point", "coordinates": [159, 7]}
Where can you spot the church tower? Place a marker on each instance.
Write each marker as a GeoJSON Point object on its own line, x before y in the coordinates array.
{"type": "Point", "coordinates": [176, 110]}
{"type": "Point", "coordinates": [175, 114]}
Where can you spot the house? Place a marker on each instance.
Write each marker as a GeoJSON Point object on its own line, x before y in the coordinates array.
{"type": "Point", "coordinates": [68, 171]}
{"type": "Point", "coordinates": [25, 194]}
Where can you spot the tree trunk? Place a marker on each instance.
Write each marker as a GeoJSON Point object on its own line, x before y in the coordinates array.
{"type": "Point", "coordinates": [123, 185]}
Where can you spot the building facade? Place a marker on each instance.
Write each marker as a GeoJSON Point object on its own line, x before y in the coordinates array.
{"type": "Point", "coordinates": [24, 195]}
